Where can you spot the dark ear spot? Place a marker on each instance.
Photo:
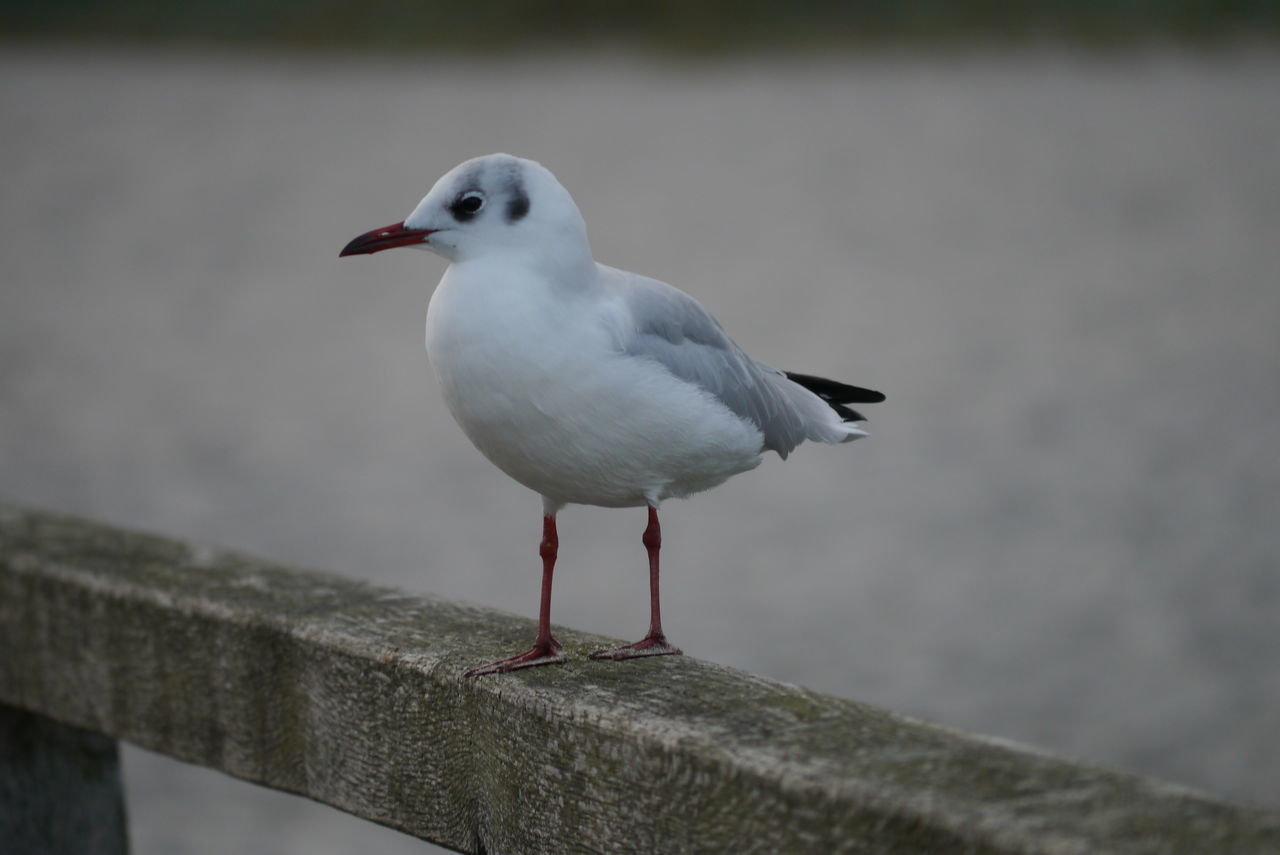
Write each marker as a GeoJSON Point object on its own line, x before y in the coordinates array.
{"type": "Point", "coordinates": [518, 205]}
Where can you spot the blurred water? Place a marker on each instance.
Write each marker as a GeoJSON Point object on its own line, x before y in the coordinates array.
{"type": "Point", "coordinates": [1061, 268]}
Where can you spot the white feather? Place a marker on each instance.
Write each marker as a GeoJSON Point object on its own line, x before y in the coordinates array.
{"type": "Point", "coordinates": [588, 384]}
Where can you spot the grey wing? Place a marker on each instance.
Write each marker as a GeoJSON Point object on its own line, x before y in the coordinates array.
{"type": "Point", "coordinates": [673, 329]}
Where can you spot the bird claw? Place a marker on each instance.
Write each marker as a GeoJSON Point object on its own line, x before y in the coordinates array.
{"type": "Point", "coordinates": [648, 646]}
{"type": "Point", "coordinates": [539, 654]}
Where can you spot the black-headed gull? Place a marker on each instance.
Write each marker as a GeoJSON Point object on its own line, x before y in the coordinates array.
{"type": "Point", "coordinates": [585, 383]}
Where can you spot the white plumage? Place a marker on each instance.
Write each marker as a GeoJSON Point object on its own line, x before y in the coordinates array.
{"type": "Point", "coordinates": [585, 383]}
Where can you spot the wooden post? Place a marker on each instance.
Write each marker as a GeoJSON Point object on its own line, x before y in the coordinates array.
{"type": "Point", "coordinates": [60, 791]}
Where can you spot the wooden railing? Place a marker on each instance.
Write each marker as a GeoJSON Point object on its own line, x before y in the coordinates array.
{"type": "Point", "coordinates": [353, 695]}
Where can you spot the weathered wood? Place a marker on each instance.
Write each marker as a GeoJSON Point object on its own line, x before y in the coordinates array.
{"type": "Point", "coordinates": [60, 790]}
{"type": "Point", "coordinates": [353, 695]}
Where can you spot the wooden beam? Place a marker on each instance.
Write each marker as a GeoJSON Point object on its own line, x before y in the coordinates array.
{"type": "Point", "coordinates": [353, 695]}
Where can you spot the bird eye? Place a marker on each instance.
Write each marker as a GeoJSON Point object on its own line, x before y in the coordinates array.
{"type": "Point", "coordinates": [468, 205]}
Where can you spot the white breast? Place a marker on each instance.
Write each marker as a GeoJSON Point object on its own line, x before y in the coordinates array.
{"type": "Point", "coordinates": [536, 380]}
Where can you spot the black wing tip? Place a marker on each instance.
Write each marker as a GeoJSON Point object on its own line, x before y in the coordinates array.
{"type": "Point", "coordinates": [847, 414]}
{"type": "Point", "coordinates": [835, 392]}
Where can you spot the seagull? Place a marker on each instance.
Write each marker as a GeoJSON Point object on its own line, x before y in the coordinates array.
{"type": "Point", "coordinates": [588, 384]}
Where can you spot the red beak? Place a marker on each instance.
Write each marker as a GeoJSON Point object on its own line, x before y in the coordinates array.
{"type": "Point", "coordinates": [387, 237]}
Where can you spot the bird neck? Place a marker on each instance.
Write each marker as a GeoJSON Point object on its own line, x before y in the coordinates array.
{"type": "Point", "coordinates": [561, 270]}
{"type": "Point", "coordinates": [563, 259]}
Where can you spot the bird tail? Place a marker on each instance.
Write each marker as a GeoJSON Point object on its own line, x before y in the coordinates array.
{"type": "Point", "coordinates": [836, 395]}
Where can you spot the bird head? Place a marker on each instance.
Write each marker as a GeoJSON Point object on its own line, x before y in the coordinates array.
{"type": "Point", "coordinates": [488, 205]}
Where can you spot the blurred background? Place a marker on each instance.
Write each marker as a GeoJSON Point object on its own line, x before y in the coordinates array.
{"type": "Point", "coordinates": [1047, 231]}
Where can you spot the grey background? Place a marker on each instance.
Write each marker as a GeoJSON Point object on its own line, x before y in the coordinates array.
{"type": "Point", "coordinates": [1059, 266]}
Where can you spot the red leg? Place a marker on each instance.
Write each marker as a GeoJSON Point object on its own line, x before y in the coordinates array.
{"type": "Point", "coordinates": [655, 643]}
{"type": "Point", "coordinates": [546, 650]}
